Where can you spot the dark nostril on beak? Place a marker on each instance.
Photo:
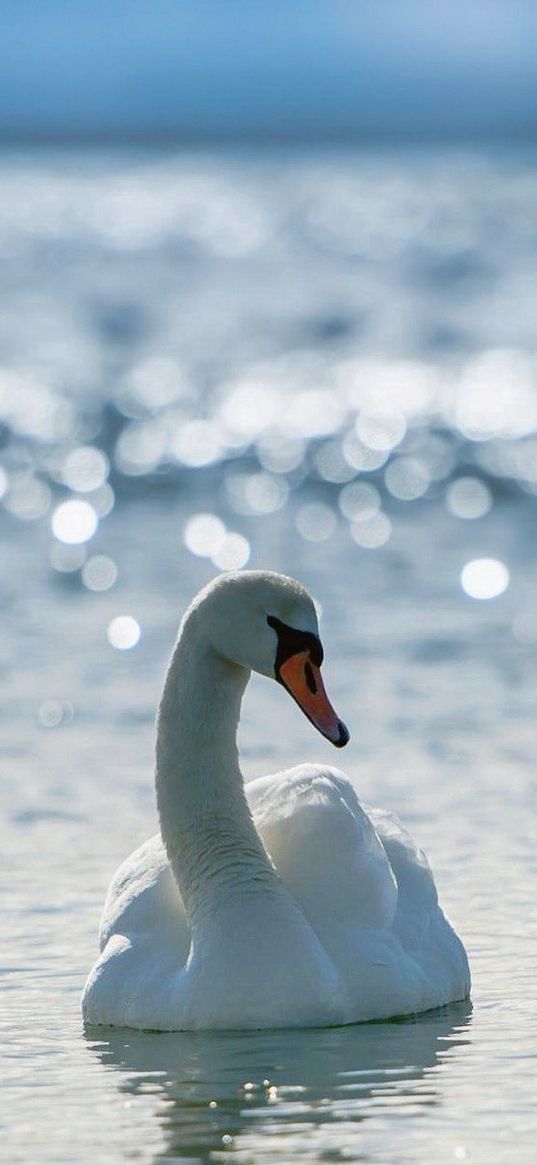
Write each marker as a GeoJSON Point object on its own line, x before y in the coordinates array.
{"type": "Point", "coordinates": [310, 679]}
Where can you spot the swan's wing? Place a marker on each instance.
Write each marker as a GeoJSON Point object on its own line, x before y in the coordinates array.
{"type": "Point", "coordinates": [417, 897]}
{"type": "Point", "coordinates": [364, 886]}
{"type": "Point", "coordinates": [144, 940]}
{"type": "Point", "coordinates": [419, 923]}
{"type": "Point", "coordinates": [324, 847]}
{"type": "Point", "coordinates": [144, 902]}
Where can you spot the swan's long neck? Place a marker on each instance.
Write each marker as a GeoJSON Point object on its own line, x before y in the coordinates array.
{"type": "Point", "coordinates": [206, 825]}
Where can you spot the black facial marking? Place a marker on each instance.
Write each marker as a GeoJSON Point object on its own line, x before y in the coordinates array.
{"type": "Point", "coordinates": [291, 642]}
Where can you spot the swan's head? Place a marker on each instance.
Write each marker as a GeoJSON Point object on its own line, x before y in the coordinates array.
{"type": "Point", "coordinates": [267, 623]}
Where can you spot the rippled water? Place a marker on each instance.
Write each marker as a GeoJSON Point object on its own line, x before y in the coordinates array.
{"type": "Point", "coordinates": [324, 365]}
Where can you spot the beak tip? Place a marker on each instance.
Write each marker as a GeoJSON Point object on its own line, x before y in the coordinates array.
{"type": "Point", "coordinates": [344, 735]}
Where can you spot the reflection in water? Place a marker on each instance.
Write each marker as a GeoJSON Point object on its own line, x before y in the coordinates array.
{"type": "Point", "coordinates": [291, 1093]}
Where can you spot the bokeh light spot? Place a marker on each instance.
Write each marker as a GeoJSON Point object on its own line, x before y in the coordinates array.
{"type": "Point", "coordinates": [74, 521]}
{"type": "Point", "coordinates": [371, 532]}
{"type": "Point", "coordinates": [204, 534]}
{"type": "Point", "coordinates": [360, 457]}
{"type": "Point", "coordinates": [28, 498]}
{"type": "Point", "coordinates": [360, 499]}
{"type": "Point", "coordinates": [233, 552]}
{"type": "Point", "coordinates": [52, 713]}
{"type": "Point", "coordinates": [123, 632]}
{"type": "Point", "coordinates": [103, 500]}
{"type": "Point", "coordinates": [256, 493]}
{"type": "Point", "coordinates": [407, 479]}
{"type": "Point", "coordinates": [484, 578]}
{"type": "Point", "coordinates": [279, 453]}
{"type": "Point", "coordinates": [332, 464]}
{"type": "Point", "coordinates": [525, 628]}
{"type": "Point", "coordinates": [140, 448]}
{"type": "Point", "coordinates": [85, 468]}
{"type": "Point", "coordinates": [154, 383]}
{"type": "Point", "coordinates": [381, 432]}
{"type": "Point", "coordinates": [468, 497]}
{"type": "Point", "coordinates": [99, 573]}
{"type": "Point", "coordinates": [66, 559]}
{"type": "Point", "coordinates": [315, 521]}
{"type": "Point", "coordinates": [198, 443]}
{"type": "Point", "coordinates": [248, 408]}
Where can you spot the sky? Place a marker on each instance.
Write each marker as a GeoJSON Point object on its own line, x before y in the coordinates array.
{"type": "Point", "coordinates": [266, 69]}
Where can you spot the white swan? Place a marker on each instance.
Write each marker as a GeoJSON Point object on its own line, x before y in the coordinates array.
{"type": "Point", "coordinates": [284, 904]}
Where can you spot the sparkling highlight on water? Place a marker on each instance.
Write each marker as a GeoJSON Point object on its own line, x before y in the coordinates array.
{"type": "Point", "coordinates": [484, 578]}
{"type": "Point", "coordinates": [74, 521]}
{"type": "Point", "coordinates": [123, 632]}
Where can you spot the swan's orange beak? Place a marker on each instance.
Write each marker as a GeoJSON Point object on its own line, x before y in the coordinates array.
{"type": "Point", "coordinates": [303, 680]}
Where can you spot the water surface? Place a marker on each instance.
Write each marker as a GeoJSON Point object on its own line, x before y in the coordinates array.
{"type": "Point", "coordinates": [250, 337]}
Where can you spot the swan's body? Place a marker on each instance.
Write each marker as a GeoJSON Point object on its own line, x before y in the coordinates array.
{"type": "Point", "coordinates": [282, 905]}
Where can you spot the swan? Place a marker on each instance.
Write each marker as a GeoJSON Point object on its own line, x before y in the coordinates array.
{"type": "Point", "coordinates": [285, 903]}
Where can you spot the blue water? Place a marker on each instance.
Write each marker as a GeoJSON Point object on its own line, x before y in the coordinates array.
{"type": "Point", "coordinates": [312, 350]}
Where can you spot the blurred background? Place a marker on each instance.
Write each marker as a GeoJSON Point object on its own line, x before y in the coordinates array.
{"type": "Point", "coordinates": [268, 299]}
